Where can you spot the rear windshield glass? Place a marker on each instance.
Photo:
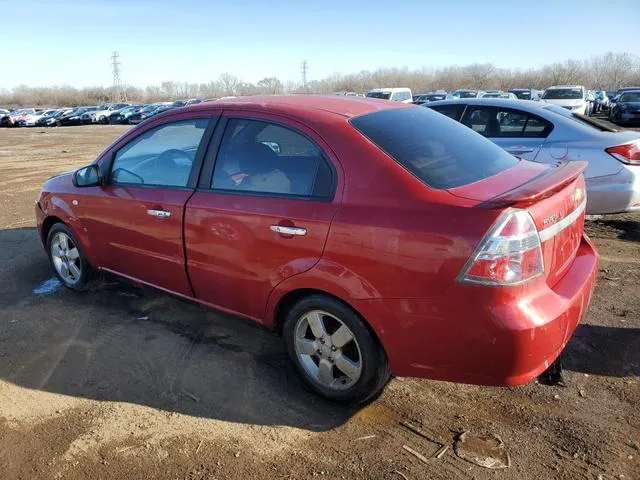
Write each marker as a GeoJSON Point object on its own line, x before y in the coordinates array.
{"type": "Point", "coordinates": [563, 94]}
{"type": "Point", "coordinates": [581, 119]}
{"type": "Point", "coordinates": [439, 151]}
{"type": "Point", "coordinates": [522, 94]}
{"type": "Point", "coordinates": [384, 96]}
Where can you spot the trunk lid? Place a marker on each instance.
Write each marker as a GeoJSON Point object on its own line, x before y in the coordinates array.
{"type": "Point", "coordinates": [555, 197]}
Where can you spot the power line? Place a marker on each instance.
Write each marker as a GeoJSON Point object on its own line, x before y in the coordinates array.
{"type": "Point", "coordinates": [118, 93]}
{"type": "Point", "coordinates": [305, 70]}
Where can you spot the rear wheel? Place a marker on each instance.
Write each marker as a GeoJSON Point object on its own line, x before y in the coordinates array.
{"type": "Point", "coordinates": [104, 120]}
{"type": "Point", "coordinates": [67, 258]}
{"type": "Point", "coordinates": [333, 350]}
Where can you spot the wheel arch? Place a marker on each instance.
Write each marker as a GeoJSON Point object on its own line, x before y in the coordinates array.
{"type": "Point", "coordinates": [47, 224]}
{"type": "Point", "coordinates": [293, 296]}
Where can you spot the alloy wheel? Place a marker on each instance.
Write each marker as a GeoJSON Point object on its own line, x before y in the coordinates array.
{"type": "Point", "coordinates": [327, 350]}
{"type": "Point", "coordinates": [66, 258]}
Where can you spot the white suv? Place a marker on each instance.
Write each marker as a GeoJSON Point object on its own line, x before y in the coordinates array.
{"type": "Point", "coordinates": [571, 97]}
{"type": "Point", "coordinates": [403, 95]}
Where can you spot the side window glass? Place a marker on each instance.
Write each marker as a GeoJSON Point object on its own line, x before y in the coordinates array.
{"type": "Point", "coordinates": [512, 123]}
{"type": "Point", "coordinates": [537, 128]}
{"type": "Point", "coordinates": [451, 111]}
{"type": "Point", "coordinates": [162, 156]}
{"type": "Point", "coordinates": [478, 119]}
{"type": "Point", "coordinates": [263, 157]}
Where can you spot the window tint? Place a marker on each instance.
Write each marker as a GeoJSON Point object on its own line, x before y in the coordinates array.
{"type": "Point", "coordinates": [493, 122]}
{"type": "Point", "coordinates": [161, 156]}
{"type": "Point", "coordinates": [451, 111]}
{"type": "Point", "coordinates": [440, 152]}
{"type": "Point", "coordinates": [263, 157]}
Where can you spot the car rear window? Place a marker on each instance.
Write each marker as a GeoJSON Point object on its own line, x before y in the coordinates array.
{"type": "Point", "coordinates": [439, 151]}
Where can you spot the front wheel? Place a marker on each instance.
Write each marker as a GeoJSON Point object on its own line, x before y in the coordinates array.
{"type": "Point", "coordinates": [333, 350]}
{"type": "Point", "coordinates": [67, 258]}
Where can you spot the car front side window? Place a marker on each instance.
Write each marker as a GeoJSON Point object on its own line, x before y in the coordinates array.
{"type": "Point", "coordinates": [162, 156]}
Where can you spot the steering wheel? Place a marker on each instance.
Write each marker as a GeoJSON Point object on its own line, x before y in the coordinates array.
{"type": "Point", "coordinates": [168, 159]}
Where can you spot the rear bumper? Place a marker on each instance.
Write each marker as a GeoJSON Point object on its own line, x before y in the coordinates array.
{"type": "Point", "coordinates": [614, 193]}
{"type": "Point", "coordinates": [482, 335]}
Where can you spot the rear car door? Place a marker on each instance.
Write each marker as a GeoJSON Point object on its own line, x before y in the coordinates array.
{"type": "Point", "coordinates": [135, 219]}
{"type": "Point", "coordinates": [518, 132]}
{"type": "Point", "coordinates": [262, 211]}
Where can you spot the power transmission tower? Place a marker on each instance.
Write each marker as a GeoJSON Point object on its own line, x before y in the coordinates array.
{"type": "Point", "coordinates": [305, 70]}
{"type": "Point", "coordinates": [119, 95]}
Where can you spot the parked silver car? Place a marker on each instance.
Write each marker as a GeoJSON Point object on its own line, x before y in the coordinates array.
{"type": "Point", "coordinates": [548, 133]}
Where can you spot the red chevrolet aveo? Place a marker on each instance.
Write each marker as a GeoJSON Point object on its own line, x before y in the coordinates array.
{"type": "Point", "coordinates": [377, 237]}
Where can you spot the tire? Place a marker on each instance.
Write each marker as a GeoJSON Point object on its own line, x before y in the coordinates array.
{"type": "Point", "coordinates": [62, 256]}
{"type": "Point", "coordinates": [318, 361]}
{"type": "Point", "coordinates": [104, 120]}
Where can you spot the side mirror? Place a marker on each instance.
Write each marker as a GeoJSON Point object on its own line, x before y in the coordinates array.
{"type": "Point", "coordinates": [88, 176]}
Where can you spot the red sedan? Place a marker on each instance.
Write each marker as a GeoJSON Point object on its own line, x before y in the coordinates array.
{"type": "Point", "coordinates": [377, 237]}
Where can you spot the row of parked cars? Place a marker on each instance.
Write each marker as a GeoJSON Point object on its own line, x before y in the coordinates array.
{"type": "Point", "coordinates": [622, 105]}
{"type": "Point", "coordinates": [109, 113]}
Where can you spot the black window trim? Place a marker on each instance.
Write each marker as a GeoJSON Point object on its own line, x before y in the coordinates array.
{"type": "Point", "coordinates": [547, 131]}
{"type": "Point", "coordinates": [196, 167]}
{"type": "Point", "coordinates": [205, 179]}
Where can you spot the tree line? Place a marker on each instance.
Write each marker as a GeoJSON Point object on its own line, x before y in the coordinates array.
{"type": "Point", "coordinates": [606, 71]}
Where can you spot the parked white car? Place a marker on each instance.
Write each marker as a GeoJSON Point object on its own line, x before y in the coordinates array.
{"type": "Point", "coordinates": [101, 115]}
{"type": "Point", "coordinates": [571, 97]}
{"type": "Point", "coordinates": [31, 119]}
{"type": "Point", "coordinates": [395, 94]}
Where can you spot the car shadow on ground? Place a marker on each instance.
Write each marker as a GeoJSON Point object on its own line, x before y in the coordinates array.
{"type": "Point", "coordinates": [604, 350]}
{"type": "Point", "coordinates": [120, 342]}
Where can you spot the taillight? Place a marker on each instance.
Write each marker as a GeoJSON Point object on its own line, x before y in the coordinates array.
{"type": "Point", "coordinates": [510, 253]}
{"type": "Point", "coordinates": [628, 153]}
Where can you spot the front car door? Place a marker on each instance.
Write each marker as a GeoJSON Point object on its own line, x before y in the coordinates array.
{"type": "Point", "coordinates": [518, 132]}
{"type": "Point", "coordinates": [263, 213]}
{"type": "Point", "coordinates": [134, 221]}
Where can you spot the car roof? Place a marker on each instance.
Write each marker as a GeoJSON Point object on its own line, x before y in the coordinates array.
{"type": "Point", "coordinates": [338, 105]}
{"type": "Point", "coordinates": [495, 102]}
{"type": "Point", "coordinates": [565, 86]}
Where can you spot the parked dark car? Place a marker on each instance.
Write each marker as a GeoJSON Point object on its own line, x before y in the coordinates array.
{"type": "Point", "coordinates": [72, 118]}
{"type": "Point", "coordinates": [49, 120]}
{"type": "Point", "coordinates": [122, 116]}
{"type": "Point", "coordinates": [438, 255]}
{"type": "Point", "coordinates": [627, 109]}
{"type": "Point", "coordinates": [428, 97]}
{"type": "Point", "coordinates": [145, 112]}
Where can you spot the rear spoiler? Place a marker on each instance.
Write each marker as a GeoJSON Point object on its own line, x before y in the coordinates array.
{"type": "Point", "coordinates": [540, 187]}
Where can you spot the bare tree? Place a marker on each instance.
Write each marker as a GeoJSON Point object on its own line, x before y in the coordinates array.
{"type": "Point", "coordinates": [229, 83]}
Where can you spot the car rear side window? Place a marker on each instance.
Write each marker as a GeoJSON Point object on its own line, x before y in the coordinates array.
{"type": "Point", "coordinates": [494, 122]}
{"type": "Point", "coordinates": [266, 158]}
{"type": "Point", "coordinates": [440, 152]}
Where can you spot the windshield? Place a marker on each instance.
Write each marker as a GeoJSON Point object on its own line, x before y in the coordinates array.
{"type": "Point", "coordinates": [492, 95]}
{"type": "Point", "coordinates": [466, 94]}
{"type": "Point", "coordinates": [629, 97]}
{"type": "Point", "coordinates": [384, 96]}
{"type": "Point", "coordinates": [440, 152]}
{"type": "Point", "coordinates": [522, 94]}
{"type": "Point", "coordinates": [581, 119]}
{"type": "Point", "coordinates": [435, 97]}
{"type": "Point", "coordinates": [563, 94]}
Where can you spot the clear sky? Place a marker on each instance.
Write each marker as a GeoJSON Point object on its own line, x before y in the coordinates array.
{"type": "Point", "coordinates": [70, 41]}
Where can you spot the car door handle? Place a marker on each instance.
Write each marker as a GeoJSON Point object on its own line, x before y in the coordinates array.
{"type": "Point", "coordinates": [159, 213]}
{"type": "Point", "coordinates": [283, 229]}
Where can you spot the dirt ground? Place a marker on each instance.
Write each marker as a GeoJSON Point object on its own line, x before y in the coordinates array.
{"type": "Point", "coordinates": [125, 383]}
